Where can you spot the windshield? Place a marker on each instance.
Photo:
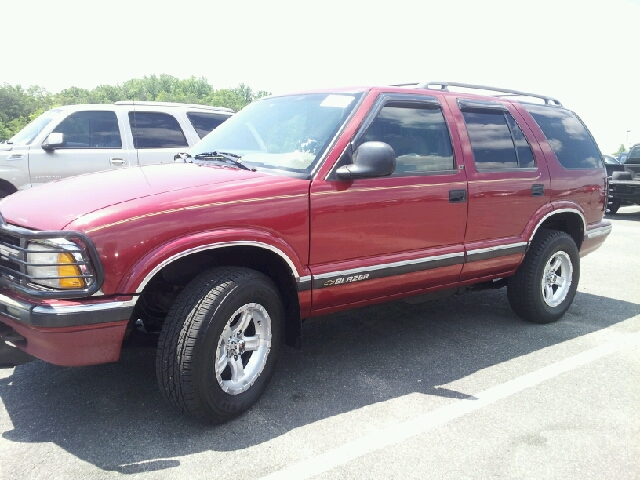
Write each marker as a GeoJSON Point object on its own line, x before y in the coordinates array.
{"type": "Point", "coordinates": [286, 133]}
{"type": "Point", "coordinates": [31, 131]}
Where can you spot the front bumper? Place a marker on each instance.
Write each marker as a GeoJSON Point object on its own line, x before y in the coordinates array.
{"type": "Point", "coordinates": [71, 314]}
{"type": "Point", "coordinates": [74, 333]}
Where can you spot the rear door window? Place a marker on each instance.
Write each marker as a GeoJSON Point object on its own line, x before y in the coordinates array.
{"type": "Point", "coordinates": [204, 123]}
{"type": "Point", "coordinates": [568, 137]}
{"type": "Point", "coordinates": [496, 140]}
{"type": "Point", "coordinates": [156, 130]}
{"type": "Point", "coordinates": [90, 129]}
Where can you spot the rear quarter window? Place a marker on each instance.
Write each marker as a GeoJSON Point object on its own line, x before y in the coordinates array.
{"type": "Point", "coordinates": [570, 140]}
{"type": "Point", "coordinates": [204, 123]}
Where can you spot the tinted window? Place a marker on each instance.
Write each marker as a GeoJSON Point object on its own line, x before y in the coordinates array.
{"type": "Point", "coordinates": [523, 149]}
{"type": "Point", "coordinates": [90, 130]}
{"type": "Point", "coordinates": [634, 155]}
{"type": "Point", "coordinates": [203, 123]}
{"type": "Point", "coordinates": [568, 137]}
{"type": "Point", "coordinates": [156, 130]}
{"type": "Point", "coordinates": [418, 135]}
{"type": "Point", "coordinates": [491, 141]}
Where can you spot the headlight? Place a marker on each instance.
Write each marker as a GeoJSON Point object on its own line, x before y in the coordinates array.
{"type": "Point", "coordinates": [58, 263]}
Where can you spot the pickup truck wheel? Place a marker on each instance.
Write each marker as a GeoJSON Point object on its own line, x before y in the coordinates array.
{"type": "Point", "coordinates": [219, 343]}
{"type": "Point", "coordinates": [544, 286]}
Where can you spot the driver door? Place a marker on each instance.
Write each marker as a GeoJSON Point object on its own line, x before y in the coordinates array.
{"type": "Point", "coordinates": [380, 237]}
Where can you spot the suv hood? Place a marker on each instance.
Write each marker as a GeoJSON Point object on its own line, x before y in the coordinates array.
{"type": "Point", "coordinates": [54, 205]}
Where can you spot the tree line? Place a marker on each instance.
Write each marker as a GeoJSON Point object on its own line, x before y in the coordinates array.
{"type": "Point", "coordinates": [19, 106]}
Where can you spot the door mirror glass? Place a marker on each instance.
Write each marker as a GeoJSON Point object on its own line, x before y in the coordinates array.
{"type": "Point", "coordinates": [53, 141]}
{"type": "Point", "coordinates": [371, 159]}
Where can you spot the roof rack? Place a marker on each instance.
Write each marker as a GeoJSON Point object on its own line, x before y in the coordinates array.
{"type": "Point", "coordinates": [172, 104]}
{"type": "Point", "coordinates": [506, 91]}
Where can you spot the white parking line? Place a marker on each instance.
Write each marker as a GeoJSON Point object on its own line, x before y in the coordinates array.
{"type": "Point", "coordinates": [415, 426]}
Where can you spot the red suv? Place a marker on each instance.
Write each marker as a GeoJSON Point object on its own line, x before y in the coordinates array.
{"type": "Point", "coordinates": [298, 206]}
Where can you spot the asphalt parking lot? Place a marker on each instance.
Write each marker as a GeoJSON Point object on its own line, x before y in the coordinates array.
{"type": "Point", "coordinates": [455, 388]}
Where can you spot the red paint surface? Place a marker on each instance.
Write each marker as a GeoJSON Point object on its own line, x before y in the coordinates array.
{"type": "Point", "coordinates": [141, 217]}
{"type": "Point", "coordinates": [72, 346]}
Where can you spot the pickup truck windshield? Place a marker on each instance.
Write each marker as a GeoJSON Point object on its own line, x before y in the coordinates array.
{"type": "Point", "coordinates": [287, 133]}
{"type": "Point", "coordinates": [31, 131]}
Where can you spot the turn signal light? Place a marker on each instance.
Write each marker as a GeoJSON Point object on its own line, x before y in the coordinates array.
{"type": "Point", "coordinates": [69, 270]}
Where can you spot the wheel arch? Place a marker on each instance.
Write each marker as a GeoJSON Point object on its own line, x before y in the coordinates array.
{"type": "Point", "coordinates": [6, 186]}
{"type": "Point", "coordinates": [570, 220]}
{"type": "Point", "coordinates": [178, 266]}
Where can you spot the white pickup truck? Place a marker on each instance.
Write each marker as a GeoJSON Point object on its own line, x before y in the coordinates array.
{"type": "Point", "coordinates": [76, 139]}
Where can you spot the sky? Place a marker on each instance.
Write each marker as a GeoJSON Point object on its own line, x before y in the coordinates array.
{"type": "Point", "coordinates": [582, 52]}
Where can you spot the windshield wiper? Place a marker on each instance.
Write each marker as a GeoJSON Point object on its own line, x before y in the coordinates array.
{"type": "Point", "coordinates": [230, 158]}
{"type": "Point", "coordinates": [184, 156]}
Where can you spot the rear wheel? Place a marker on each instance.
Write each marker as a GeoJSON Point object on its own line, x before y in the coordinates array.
{"type": "Point", "coordinates": [544, 286]}
{"type": "Point", "coordinates": [218, 345]}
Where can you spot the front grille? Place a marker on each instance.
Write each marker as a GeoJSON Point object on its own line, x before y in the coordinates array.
{"type": "Point", "coordinates": [17, 272]}
{"type": "Point", "coordinates": [10, 252]}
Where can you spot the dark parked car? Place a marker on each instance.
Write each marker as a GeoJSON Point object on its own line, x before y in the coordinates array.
{"type": "Point", "coordinates": [624, 186]}
{"type": "Point", "coordinates": [611, 164]}
{"type": "Point", "coordinates": [298, 206]}
{"type": "Point", "coordinates": [622, 157]}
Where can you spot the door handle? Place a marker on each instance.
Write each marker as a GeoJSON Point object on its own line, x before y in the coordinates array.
{"type": "Point", "coordinates": [116, 161]}
{"type": "Point", "coordinates": [15, 156]}
{"type": "Point", "coordinates": [537, 190]}
{"type": "Point", "coordinates": [457, 196]}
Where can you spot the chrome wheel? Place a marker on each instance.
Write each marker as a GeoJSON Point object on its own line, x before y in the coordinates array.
{"type": "Point", "coordinates": [556, 279]}
{"type": "Point", "coordinates": [243, 348]}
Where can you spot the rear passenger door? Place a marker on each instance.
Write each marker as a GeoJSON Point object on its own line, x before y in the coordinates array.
{"type": "Point", "coordinates": [508, 182]}
{"type": "Point", "coordinates": [157, 136]}
{"type": "Point", "coordinates": [377, 237]}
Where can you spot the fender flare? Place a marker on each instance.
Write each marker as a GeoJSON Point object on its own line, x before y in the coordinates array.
{"type": "Point", "coordinates": [549, 210]}
{"type": "Point", "coordinates": [139, 275]}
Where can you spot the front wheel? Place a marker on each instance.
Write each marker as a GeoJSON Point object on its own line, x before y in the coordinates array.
{"type": "Point", "coordinates": [544, 286]}
{"type": "Point", "coordinates": [218, 345]}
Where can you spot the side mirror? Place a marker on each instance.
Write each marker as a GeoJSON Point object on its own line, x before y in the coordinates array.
{"type": "Point", "coordinates": [53, 141]}
{"type": "Point", "coordinates": [372, 159]}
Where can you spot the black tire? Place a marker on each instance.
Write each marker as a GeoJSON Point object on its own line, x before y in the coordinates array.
{"type": "Point", "coordinates": [613, 206]}
{"type": "Point", "coordinates": [192, 338]}
{"type": "Point", "coordinates": [525, 288]}
{"type": "Point", "coordinates": [4, 192]}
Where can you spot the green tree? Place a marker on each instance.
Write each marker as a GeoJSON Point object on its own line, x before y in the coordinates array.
{"type": "Point", "coordinates": [620, 150]}
{"type": "Point", "coordinates": [19, 106]}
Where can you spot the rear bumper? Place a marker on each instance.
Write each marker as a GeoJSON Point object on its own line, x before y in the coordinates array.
{"type": "Point", "coordinates": [625, 190]}
{"type": "Point", "coordinates": [70, 334]}
{"type": "Point", "coordinates": [595, 236]}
